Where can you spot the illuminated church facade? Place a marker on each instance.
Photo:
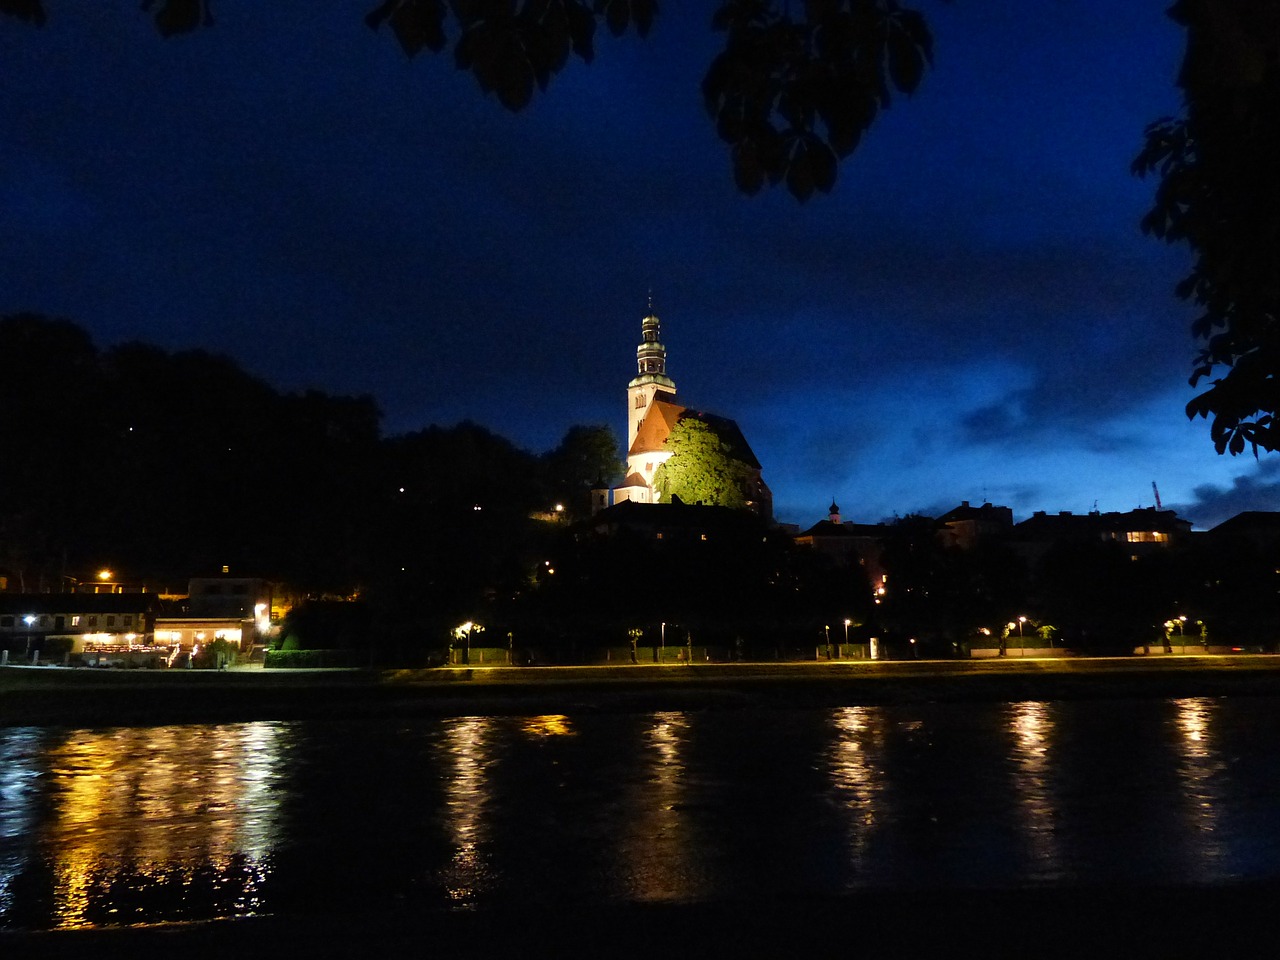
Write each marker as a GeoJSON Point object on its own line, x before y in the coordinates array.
{"type": "Point", "coordinates": [652, 413]}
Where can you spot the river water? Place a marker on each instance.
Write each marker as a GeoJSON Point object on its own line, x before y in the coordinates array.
{"type": "Point", "coordinates": [132, 825]}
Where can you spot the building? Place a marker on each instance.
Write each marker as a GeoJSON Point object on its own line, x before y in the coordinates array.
{"type": "Point", "coordinates": [1141, 531]}
{"type": "Point", "coordinates": [236, 609]}
{"type": "Point", "coordinates": [652, 413]}
{"type": "Point", "coordinates": [854, 544]}
{"type": "Point", "coordinates": [966, 526]}
{"type": "Point", "coordinates": [36, 624]}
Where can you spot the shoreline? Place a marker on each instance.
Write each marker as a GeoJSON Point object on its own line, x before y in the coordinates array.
{"type": "Point", "coordinates": [1072, 921]}
{"type": "Point", "coordinates": [59, 696]}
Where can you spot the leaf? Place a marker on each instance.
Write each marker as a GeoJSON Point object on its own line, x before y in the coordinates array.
{"type": "Point", "coordinates": [180, 16]}
{"type": "Point", "coordinates": [748, 173]}
{"type": "Point", "coordinates": [582, 29]}
{"type": "Point", "coordinates": [729, 124]}
{"type": "Point", "coordinates": [617, 15]}
{"type": "Point", "coordinates": [30, 10]}
{"type": "Point", "coordinates": [800, 174]}
{"type": "Point", "coordinates": [906, 64]}
{"type": "Point", "coordinates": [512, 75]}
{"type": "Point", "coordinates": [379, 14]}
{"type": "Point", "coordinates": [822, 163]}
{"type": "Point", "coordinates": [643, 13]}
{"type": "Point", "coordinates": [417, 24]}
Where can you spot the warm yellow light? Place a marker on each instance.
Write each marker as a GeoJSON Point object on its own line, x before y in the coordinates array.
{"type": "Point", "coordinates": [551, 725]}
{"type": "Point", "coordinates": [104, 574]}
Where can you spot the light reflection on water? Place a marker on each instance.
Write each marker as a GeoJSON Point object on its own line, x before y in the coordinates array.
{"type": "Point", "coordinates": [130, 825]}
{"type": "Point", "coordinates": [467, 758]}
{"type": "Point", "coordinates": [1032, 724]}
{"type": "Point", "coordinates": [855, 757]}
{"type": "Point", "coordinates": [131, 818]}
{"type": "Point", "coordinates": [21, 749]}
{"type": "Point", "coordinates": [1199, 765]}
{"type": "Point", "coordinates": [653, 841]}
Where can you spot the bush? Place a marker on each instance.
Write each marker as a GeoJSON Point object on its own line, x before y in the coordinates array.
{"type": "Point", "coordinates": [53, 648]}
{"type": "Point", "coordinates": [216, 653]}
{"type": "Point", "coordinates": [301, 659]}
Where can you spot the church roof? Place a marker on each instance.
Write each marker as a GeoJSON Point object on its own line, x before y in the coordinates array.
{"type": "Point", "coordinates": [664, 414]}
{"type": "Point", "coordinates": [632, 479]}
{"type": "Point", "coordinates": [656, 425]}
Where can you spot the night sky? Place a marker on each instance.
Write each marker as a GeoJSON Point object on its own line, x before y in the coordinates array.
{"type": "Point", "coordinates": [973, 313]}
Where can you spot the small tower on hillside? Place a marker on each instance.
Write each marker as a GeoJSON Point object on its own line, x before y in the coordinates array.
{"type": "Point", "coordinates": [651, 376]}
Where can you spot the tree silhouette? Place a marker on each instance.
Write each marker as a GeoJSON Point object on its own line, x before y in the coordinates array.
{"type": "Point", "coordinates": [1219, 194]}
{"type": "Point", "coordinates": [791, 95]}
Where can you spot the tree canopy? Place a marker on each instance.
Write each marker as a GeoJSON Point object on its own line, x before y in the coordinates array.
{"type": "Point", "coordinates": [588, 454]}
{"type": "Point", "coordinates": [1219, 194]}
{"type": "Point", "coordinates": [701, 468]}
{"type": "Point", "coordinates": [790, 95]}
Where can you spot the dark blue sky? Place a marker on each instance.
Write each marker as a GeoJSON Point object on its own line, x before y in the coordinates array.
{"type": "Point", "coordinates": [973, 313]}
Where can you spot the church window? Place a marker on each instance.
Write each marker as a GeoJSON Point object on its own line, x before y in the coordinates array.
{"type": "Point", "coordinates": [648, 468]}
{"type": "Point", "coordinates": [639, 401]}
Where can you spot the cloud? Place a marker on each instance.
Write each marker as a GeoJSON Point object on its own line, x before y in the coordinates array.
{"type": "Point", "coordinates": [1257, 490]}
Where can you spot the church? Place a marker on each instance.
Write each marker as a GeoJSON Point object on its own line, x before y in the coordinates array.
{"type": "Point", "coordinates": [652, 412]}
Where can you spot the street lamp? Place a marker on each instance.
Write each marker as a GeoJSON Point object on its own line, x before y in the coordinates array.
{"type": "Point", "coordinates": [1022, 647]}
{"type": "Point", "coordinates": [847, 623]}
{"type": "Point", "coordinates": [463, 632]}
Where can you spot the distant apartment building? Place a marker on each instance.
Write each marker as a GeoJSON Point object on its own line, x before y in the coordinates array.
{"type": "Point", "coordinates": [76, 621]}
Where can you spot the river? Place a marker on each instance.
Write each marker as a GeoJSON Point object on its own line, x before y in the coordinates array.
{"type": "Point", "coordinates": [143, 824]}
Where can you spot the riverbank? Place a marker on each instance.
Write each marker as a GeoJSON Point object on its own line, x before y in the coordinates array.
{"type": "Point", "coordinates": [66, 696]}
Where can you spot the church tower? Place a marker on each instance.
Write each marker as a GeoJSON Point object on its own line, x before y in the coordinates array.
{"type": "Point", "coordinates": [651, 377]}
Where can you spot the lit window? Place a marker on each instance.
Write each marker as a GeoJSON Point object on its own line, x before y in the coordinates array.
{"type": "Point", "coordinates": [75, 620]}
{"type": "Point", "coordinates": [1146, 536]}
